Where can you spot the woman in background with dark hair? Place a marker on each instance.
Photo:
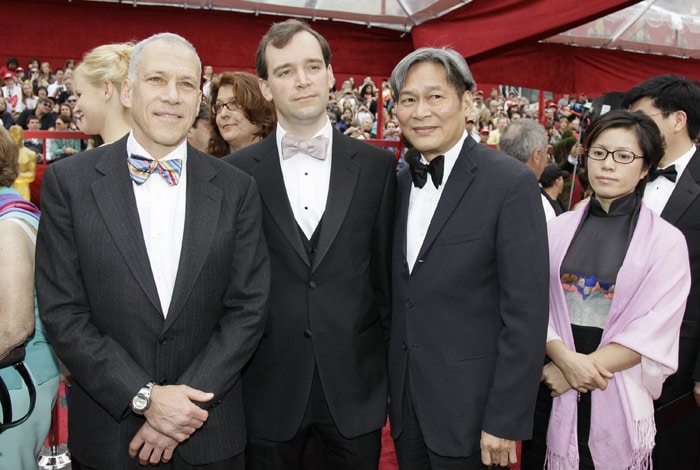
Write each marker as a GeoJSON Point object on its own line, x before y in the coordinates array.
{"type": "Point", "coordinates": [619, 279]}
{"type": "Point", "coordinates": [240, 114]}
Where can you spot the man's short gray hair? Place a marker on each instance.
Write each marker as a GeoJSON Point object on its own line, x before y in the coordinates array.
{"type": "Point", "coordinates": [171, 39]}
{"type": "Point", "coordinates": [457, 71]}
{"type": "Point", "coordinates": [522, 137]}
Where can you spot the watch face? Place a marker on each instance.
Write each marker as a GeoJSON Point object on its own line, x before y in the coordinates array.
{"type": "Point", "coordinates": [140, 402]}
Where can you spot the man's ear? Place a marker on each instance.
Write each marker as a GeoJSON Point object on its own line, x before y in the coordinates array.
{"type": "Point", "coordinates": [467, 102]}
{"type": "Point", "coordinates": [265, 89]}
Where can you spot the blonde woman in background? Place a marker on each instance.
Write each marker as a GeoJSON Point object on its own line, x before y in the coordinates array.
{"type": "Point", "coordinates": [98, 79]}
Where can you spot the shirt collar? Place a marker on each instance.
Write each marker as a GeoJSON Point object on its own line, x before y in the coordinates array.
{"type": "Point", "coordinates": [682, 162]}
{"type": "Point", "coordinates": [451, 157]}
{"type": "Point", "coordinates": [326, 131]}
{"type": "Point", "coordinates": [134, 148]}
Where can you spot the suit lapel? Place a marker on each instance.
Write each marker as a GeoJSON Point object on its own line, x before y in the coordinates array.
{"type": "Point", "coordinates": [403, 191]}
{"type": "Point", "coordinates": [268, 175]}
{"type": "Point", "coordinates": [460, 178]}
{"type": "Point", "coordinates": [344, 174]}
{"type": "Point", "coordinates": [115, 199]}
{"type": "Point", "coordinates": [685, 192]}
{"type": "Point", "coordinates": [202, 212]}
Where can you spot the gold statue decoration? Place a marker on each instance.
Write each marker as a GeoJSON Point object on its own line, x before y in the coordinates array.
{"type": "Point", "coordinates": [27, 163]}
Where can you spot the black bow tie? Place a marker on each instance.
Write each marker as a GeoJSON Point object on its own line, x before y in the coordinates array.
{"type": "Point", "coordinates": [669, 172]}
{"type": "Point", "coordinates": [419, 171]}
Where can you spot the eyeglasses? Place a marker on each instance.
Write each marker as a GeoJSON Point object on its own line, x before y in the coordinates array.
{"type": "Point", "coordinates": [231, 105]}
{"type": "Point", "coordinates": [72, 100]}
{"type": "Point", "coordinates": [46, 104]}
{"type": "Point", "coordinates": [619, 156]}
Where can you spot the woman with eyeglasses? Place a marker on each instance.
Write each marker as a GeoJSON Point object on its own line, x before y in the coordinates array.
{"type": "Point", "coordinates": [240, 115]}
{"type": "Point", "coordinates": [98, 80]}
{"type": "Point", "coordinates": [619, 279]}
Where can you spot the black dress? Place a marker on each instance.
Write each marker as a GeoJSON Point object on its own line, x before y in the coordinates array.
{"type": "Point", "coordinates": [588, 275]}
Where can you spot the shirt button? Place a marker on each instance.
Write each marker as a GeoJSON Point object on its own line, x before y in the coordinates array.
{"type": "Point", "coordinates": [312, 284]}
{"type": "Point", "coordinates": [403, 346]}
{"type": "Point", "coordinates": [308, 333]}
{"type": "Point", "coordinates": [409, 303]}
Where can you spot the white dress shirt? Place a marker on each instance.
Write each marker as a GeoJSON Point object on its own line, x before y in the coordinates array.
{"type": "Point", "coordinates": [549, 212]}
{"type": "Point", "coordinates": [162, 213]}
{"type": "Point", "coordinates": [307, 180]}
{"type": "Point", "coordinates": [658, 192]}
{"type": "Point", "coordinates": [422, 204]}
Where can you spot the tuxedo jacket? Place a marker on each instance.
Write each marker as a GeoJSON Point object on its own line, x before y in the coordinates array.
{"type": "Point", "coordinates": [100, 306]}
{"type": "Point", "coordinates": [683, 211]}
{"type": "Point", "coordinates": [331, 313]}
{"type": "Point", "coordinates": [470, 320]}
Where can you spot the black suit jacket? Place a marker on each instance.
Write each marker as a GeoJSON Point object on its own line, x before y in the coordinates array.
{"type": "Point", "coordinates": [469, 322]}
{"type": "Point", "coordinates": [332, 314]}
{"type": "Point", "coordinates": [99, 303]}
{"type": "Point", "coordinates": [683, 211]}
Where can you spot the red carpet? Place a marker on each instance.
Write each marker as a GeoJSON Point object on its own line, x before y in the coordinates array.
{"type": "Point", "coordinates": [387, 460]}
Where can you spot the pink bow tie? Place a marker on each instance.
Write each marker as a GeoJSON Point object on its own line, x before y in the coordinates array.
{"type": "Point", "coordinates": [316, 146]}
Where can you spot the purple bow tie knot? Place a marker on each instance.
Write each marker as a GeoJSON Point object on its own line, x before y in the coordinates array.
{"type": "Point", "coordinates": [316, 146]}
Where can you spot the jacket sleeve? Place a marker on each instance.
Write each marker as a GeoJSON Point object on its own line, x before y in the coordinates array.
{"type": "Point", "coordinates": [523, 279]}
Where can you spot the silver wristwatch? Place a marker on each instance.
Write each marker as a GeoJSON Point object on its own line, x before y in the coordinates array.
{"type": "Point", "coordinates": [142, 400]}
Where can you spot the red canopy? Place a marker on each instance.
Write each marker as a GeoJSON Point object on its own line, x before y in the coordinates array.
{"type": "Point", "coordinates": [499, 38]}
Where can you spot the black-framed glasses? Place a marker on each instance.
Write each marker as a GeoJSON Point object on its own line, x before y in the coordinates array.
{"type": "Point", "coordinates": [231, 105]}
{"type": "Point", "coordinates": [619, 156]}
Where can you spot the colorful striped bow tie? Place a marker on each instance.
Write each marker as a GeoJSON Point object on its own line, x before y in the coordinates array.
{"type": "Point", "coordinates": [141, 168]}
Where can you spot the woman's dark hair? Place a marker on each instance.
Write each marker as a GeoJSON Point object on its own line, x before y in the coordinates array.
{"type": "Point", "coordinates": [256, 108]}
{"type": "Point", "coordinates": [649, 137]}
{"type": "Point", "coordinates": [9, 158]}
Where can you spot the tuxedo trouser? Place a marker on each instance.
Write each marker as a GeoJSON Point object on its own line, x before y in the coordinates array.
{"type": "Point", "coordinates": [413, 453]}
{"type": "Point", "coordinates": [177, 463]}
{"type": "Point", "coordinates": [678, 446]}
{"type": "Point", "coordinates": [333, 451]}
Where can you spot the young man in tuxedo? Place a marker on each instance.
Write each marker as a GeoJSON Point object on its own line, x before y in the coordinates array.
{"type": "Point", "coordinates": [470, 281]}
{"type": "Point", "coordinates": [152, 278]}
{"type": "Point", "coordinates": [327, 207]}
{"type": "Point", "coordinates": [673, 192]}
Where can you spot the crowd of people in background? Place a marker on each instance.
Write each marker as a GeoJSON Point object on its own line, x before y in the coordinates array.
{"type": "Point", "coordinates": [234, 112]}
{"type": "Point", "coordinates": [489, 272]}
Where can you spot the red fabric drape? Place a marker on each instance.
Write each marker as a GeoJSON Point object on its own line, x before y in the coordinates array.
{"type": "Point", "coordinates": [498, 37]}
{"type": "Point", "coordinates": [55, 30]}
{"type": "Point", "coordinates": [572, 69]}
{"type": "Point", "coordinates": [483, 28]}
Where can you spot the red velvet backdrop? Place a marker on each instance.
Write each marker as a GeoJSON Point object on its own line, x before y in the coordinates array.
{"type": "Point", "coordinates": [485, 28]}
{"type": "Point", "coordinates": [498, 38]}
{"type": "Point", "coordinates": [55, 30]}
{"type": "Point", "coordinates": [576, 69]}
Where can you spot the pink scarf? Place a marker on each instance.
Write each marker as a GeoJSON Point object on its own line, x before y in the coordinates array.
{"type": "Point", "coordinates": [645, 316]}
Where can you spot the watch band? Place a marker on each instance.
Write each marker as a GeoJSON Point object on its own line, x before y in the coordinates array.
{"type": "Point", "coordinates": [142, 400]}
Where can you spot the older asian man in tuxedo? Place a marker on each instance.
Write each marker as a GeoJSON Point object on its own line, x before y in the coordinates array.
{"type": "Point", "coordinates": [152, 278]}
{"type": "Point", "coordinates": [321, 368]}
{"type": "Point", "coordinates": [673, 191]}
{"type": "Point", "coordinates": [470, 281]}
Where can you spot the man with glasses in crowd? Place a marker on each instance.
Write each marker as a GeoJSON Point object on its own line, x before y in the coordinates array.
{"type": "Point", "coordinates": [44, 111]}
